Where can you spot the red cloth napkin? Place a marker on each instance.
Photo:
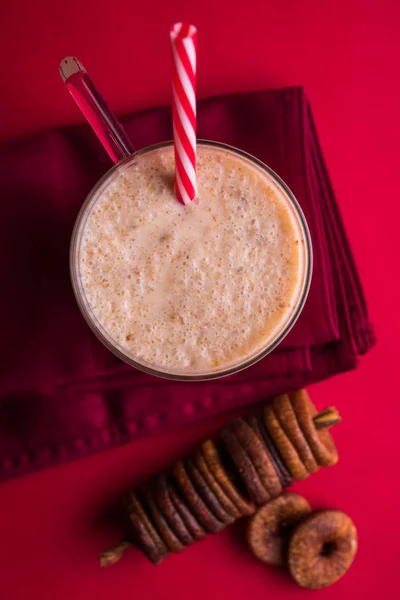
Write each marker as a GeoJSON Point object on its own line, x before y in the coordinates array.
{"type": "Point", "coordinates": [62, 394]}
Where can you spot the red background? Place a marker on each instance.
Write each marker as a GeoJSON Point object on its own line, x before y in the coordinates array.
{"type": "Point", "coordinates": [346, 54]}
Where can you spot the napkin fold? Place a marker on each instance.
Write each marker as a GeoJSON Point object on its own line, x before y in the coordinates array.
{"type": "Point", "coordinates": [64, 395]}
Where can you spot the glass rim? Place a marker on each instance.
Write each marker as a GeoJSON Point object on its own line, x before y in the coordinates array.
{"type": "Point", "coordinates": [177, 375]}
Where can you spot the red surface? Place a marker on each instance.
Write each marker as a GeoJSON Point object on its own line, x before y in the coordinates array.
{"type": "Point", "coordinates": [346, 53]}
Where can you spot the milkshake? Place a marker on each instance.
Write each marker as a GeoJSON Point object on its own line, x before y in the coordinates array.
{"type": "Point", "coordinates": [198, 290]}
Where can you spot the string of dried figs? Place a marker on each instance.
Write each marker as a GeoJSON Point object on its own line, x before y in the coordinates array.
{"type": "Point", "coordinates": [249, 463]}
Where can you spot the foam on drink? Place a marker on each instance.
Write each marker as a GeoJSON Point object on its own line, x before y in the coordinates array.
{"type": "Point", "coordinates": [196, 288]}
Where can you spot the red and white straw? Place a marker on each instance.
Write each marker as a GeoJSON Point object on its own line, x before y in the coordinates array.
{"type": "Point", "coordinates": [183, 40]}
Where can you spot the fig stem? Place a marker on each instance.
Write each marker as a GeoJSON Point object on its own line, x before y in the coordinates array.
{"type": "Point", "coordinates": [327, 418]}
{"type": "Point", "coordinates": [112, 555]}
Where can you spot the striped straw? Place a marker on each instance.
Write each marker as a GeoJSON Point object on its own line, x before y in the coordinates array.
{"type": "Point", "coordinates": [183, 41]}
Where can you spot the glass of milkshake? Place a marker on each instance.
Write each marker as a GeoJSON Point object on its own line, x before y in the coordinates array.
{"type": "Point", "coordinates": [191, 292]}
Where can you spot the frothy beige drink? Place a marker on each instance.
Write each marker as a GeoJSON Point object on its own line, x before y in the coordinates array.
{"type": "Point", "coordinates": [192, 289]}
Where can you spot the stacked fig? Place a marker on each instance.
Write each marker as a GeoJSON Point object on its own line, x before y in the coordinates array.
{"type": "Point", "coordinates": [251, 462]}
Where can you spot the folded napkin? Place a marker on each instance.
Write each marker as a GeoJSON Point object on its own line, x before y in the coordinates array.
{"type": "Point", "coordinates": [64, 395]}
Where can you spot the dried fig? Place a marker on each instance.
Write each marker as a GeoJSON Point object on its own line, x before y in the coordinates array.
{"type": "Point", "coordinates": [192, 524]}
{"type": "Point", "coordinates": [287, 418]}
{"type": "Point", "coordinates": [322, 549]}
{"type": "Point", "coordinates": [143, 532]}
{"type": "Point", "coordinates": [214, 461]}
{"type": "Point", "coordinates": [171, 541]}
{"type": "Point", "coordinates": [244, 466]}
{"type": "Point", "coordinates": [320, 441]}
{"type": "Point", "coordinates": [284, 445]}
{"type": "Point", "coordinates": [171, 514]}
{"type": "Point", "coordinates": [206, 493]}
{"type": "Point", "coordinates": [257, 424]}
{"type": "Point", "coordinates": [269, 528]}
{"type": "Point", "coordinates": [223, 498]}
{"type": "Point", "coordinates": [194, 500]}
{"type": "Point", "coordinates": [257, 452]}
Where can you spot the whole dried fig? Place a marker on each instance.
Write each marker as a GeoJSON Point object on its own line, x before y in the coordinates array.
{"type": "Point", "coordinates": [244, 466]}
{"type": "Point", "coordinates": [269, 528]}
{"type": "Point", "coordinates": [194, 501]}
{"type": "Point", "coordinates": [207, 493]}
{"type": "Point", "coordinates": [172, 542]}
{"type": "Point", "coordinates": [284, 445]}
{"type": "Point", "coordinates": [289, 423]}
{"type": "Point", "coordinates": [216, 487]}
{"type": "Point", "coordinates": [320, 441]}
{"type": "Point", "coordinates": [143, 531]}
{"type": "Point", "coordinates": [162, 488]}
{"type": "Point", "coordinates": [196, 530]}
{"type": "Point", "coordinates": [215, 463]}
{"type": "Point", "coordinates": [322, 549]}
{"type": "Point", "coordinates": [257, 424]}
{"type": "Point", "coordinates": [254, 446]}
